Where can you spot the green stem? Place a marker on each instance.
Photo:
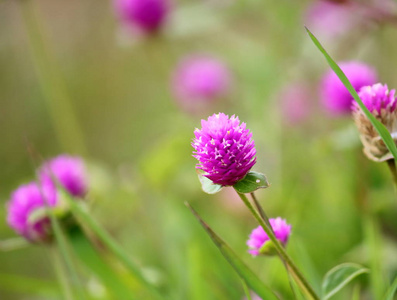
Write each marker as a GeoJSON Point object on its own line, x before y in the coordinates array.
{"type": "Point", "coordinates": [66, 125]}
{"type": "Point", "coordinates": [304, 284]}
{"type": "Point", "coordinates": [60, 273]}
{"type": "Point", "coordinates": [246, 290]}
{"type": "Point", "coordinates": [111, 244]}
{"type": "Point", "coordinates": [266, 220]}
{"type": "Point", "coordinates": [392, 166]}
{"type": "Point", "coordinates": [61, 241]}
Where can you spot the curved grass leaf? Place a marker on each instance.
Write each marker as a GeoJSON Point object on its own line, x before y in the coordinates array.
{"type": "Point", "coordinates": [251, 182]}
{"type": "Point", "coordinates": [391, 291]}
{"type": "Point", "coordinates": [339, 276]}
{"type": "Point", "coordinates": [88, 221]}
{"type": "Point", "coordinates": [380, 128]}
{"type": "Point", "coordinates": [239, 266]}
{"type": "Point", "coordinates": [208, 186]}
{"type": "Point", "coordinates": [91, 258]}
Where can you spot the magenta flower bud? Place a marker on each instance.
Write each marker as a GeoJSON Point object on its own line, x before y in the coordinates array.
{"type": "Point", "coordinates": [382, 104]}
{"type": "Point", "coordinates": [200, 79]}
{"type": "Point", "coordinates": [147, 16]}
{"type": "Point", "coordinates": [258, 238]}
{"type": "Point", "coordinates": [69, 172]}
{"type": "Point", "coordinates": [224, 148]}
{"type": "Point", "coordinates": [336, 98]}
{"type": "Point", "coordinates": [24, 202]}
{"type": "Point", "coordinates": [377, 98]}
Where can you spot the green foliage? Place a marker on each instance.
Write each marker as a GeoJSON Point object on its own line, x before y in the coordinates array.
{"type": "Point", "coordinates": [251, 182]}
{"type": "Point", "coordinates": [382, 130]}
{"type": "Point", "coordinates": [208, 186]}
{"type": "Point", "coordinates": [239, 266]}
{"type": "Point", "coordinates": [391, 291]}
{"type": "Point", "coordinates": [339, 276]}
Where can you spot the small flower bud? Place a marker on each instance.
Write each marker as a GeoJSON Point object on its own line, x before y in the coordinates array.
{"type": "Point", "coordinates": [259, 242]}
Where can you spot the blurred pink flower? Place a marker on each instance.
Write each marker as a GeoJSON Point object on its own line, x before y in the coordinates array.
{"type": "Point", "coordinates": [295, 106]}
{"type": "Point", "coordinates": [200, 79]}
{"type": "Point", "coordinates": [335, 97]}
{"type": "Point", "coordinates": [145, 16]}
{"type": "Point", "coordinates": [26, 200]}
{"type": "Point", "coordinates": [328, 18]}
{"type": "Point", "coordinates": [258, 237]}
{"type": "Point", "coordinates": [69, 171]}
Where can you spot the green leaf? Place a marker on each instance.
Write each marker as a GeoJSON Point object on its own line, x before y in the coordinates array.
{"type": "Point", "coordinates": [380, 128]}
{"type": "Point", "coordinates": [391, 291]}
{"type": "Point", "coordinates": [251, 182]}
{"type": "Point", "coordinates": [250, 278]}
{"type": "Point", "coordinates": [96, 264]}
{"type": "Point", "coordinates": [340, 276]}
{"type": "Point", "coordinates": [208, 186]}
{"type": "Point", "coordinates": [86, 220]}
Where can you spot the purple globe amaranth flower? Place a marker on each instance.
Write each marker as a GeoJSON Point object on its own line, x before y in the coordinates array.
{"type": "Point", "coordinates": [382, 104]}
{"type": "Point", "coordinates": [258, 237]}
{"type": "Point", "coordinates": [224, 148]}
{"type": "Point", "coordinates": [200, 79]}
{"type": "Point", "coordinates": [147, 16]}
{"type": "Point", "coordinates": [69, 172]}
{"type": "Point", "coordinates": [24, 202]}
{"type": "Point", "coordinates": [335, 97]}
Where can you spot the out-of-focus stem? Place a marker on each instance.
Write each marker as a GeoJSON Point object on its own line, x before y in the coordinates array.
{"type": "Point", "coordinates": [87, 220]}
{"type": "Point", "coordinates": [392, 166]}
{"type": "Point", "coordinates": [60, 273]}
{"type": "Point", "coordinates": [58, 103]}
{"type": "Point", "coordinates": [304, 284]}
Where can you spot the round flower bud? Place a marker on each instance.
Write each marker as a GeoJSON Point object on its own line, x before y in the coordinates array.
{"type": "Point", "coordinates": [382, 104]}
{"type": "Point", "coordinates": [69, 172]}
{"type": "Point", "coordinates": [335, 97]}
{"type": "Point", "coordinates": [224, 148]}
{"type": "Point", "coordinates": [259, 242]}
{"type": "Point", "coordinates": [146, 16]}
{"type": "Point", "coordinates": [26, 210]}
{"type": "Point", "coordinates": [200, 79]}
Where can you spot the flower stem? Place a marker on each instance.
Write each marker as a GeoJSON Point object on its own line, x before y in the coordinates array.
{"type": "Point", "coordinates": [246, 290]}
{"type": "Point", "coordinates": [112, 245]}
{"type": "Point", "coordinates": [61, 274]}
{"type": "Point", "coordinates": [303, 283]}
{"type": "Point", "coordinates": [66, 125]}
{"type": "Point", "coordinates": [392, 166]}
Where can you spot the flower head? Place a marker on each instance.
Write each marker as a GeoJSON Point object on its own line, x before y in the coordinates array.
{"type": "Point", "coordinates": [330, 18]}
{"type": "Point", "coordinates": [200, 79]}
{"type": "Point", "coordinates": [258, 237]}
{"type": "Point", "coordinates": [224, 148]}
{"type": "Point", "coordinates": [69, 171]}
{"type": "Point", "coordinates": [24, 202]}
{"type": "Point", "coordinates": [382, 104]}
{"type": "Point", "coordinates": [335, 97]}
{"type": "Point", "coordinates": [145, 15]}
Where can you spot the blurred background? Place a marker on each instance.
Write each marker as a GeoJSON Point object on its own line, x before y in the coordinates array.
{"type": "Point", "coordinates": [78, 77]}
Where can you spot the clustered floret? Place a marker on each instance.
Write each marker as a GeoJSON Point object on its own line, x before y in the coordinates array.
{"type": "Point", "coordinates": [224, 148]}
